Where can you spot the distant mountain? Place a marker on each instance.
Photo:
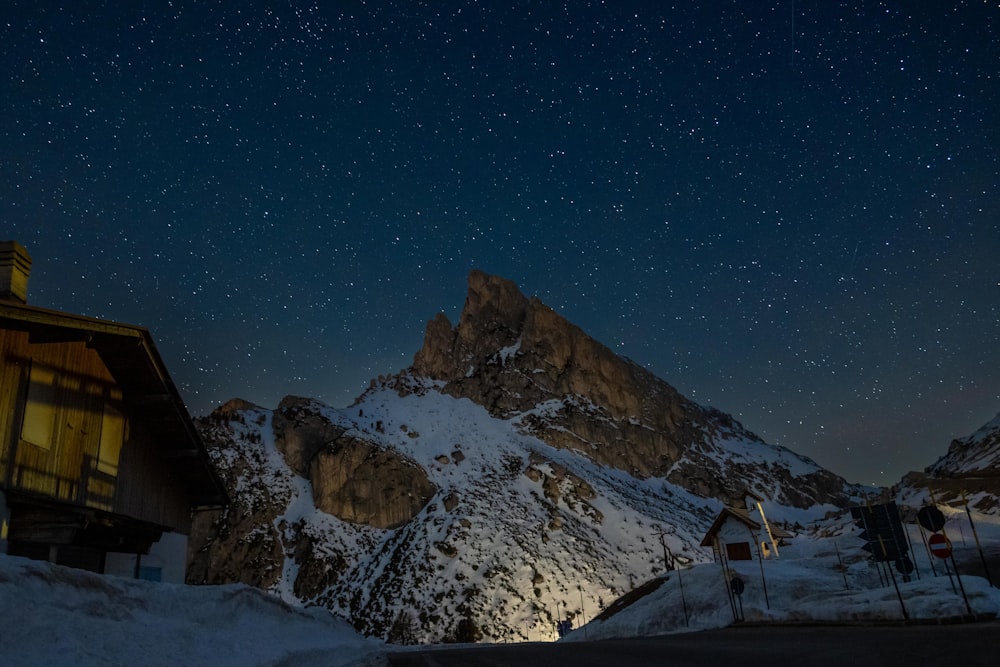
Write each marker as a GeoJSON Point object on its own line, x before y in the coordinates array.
{"type": "Point", "coordinates": [974, 455]}
{"type": "Point", "coordinates": [517, 474]}
{"type": "Point", "coordinates": [971, 466]}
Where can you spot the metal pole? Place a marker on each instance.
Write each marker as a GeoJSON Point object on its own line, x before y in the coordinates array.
{"type": "Point", "coordinates": [767, 527]}
{"type": "Point", "coordinates": [906, 614]}
{"type": "Point", "coordinates": [760, 561]}
{"type": "Point", "coordinates": [683, 599]}
{"type": "Point", "coordinates": [909, 540]}
{"type": "Point", "coordinates": [726, 578]}
{"type": "Point", "coordinates": [975, 534]}
{"type": "Point", "coordinates": [960, 585]}
{"type": "Point", "coordinates": [930, 556]}
{"type": "Point", "coordinates": [840, 563]}
{"type": "Point", "coordinates": [955, 567]}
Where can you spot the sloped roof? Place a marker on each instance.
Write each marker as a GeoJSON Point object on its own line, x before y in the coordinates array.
{"type": "Point", "coordinates": [743, 516]}
{"type": "Point", "coordinates": [132, 359]}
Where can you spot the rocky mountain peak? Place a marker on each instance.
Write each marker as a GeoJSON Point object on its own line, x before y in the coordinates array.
{"type": "Point", "coordinates": [492, 319]}
{"type": "Point", "coordinates": [520, 359]}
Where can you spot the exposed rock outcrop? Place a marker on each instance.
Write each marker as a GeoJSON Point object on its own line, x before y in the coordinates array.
{"type": "Point", "coordinates": [238, 543]}
{"type": "Point", "coordinates": [357, 481]}
{"type": "Point", "coordinates": [518, 358]}
{"type": "Point", "coordinates": [301, 431]}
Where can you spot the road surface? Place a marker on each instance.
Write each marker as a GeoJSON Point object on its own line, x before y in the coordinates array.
{"type": "Point", "coordinates": [963, 645]}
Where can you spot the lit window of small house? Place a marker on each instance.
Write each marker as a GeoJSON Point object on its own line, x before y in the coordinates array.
{"type": "Point", "coordinates": [41, 405]}
{"type": "Point", "coordinates": [112, 435]}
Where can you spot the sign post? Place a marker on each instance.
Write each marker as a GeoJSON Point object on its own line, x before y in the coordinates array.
{"type": "Point", "coordinates": [975, 534]}
{"type": "Point", "coordinates": [882, 531]}
{"type": "Point", "coordinates": [737, 586]}
{"type": "Point", "coordinates": [944, 538]}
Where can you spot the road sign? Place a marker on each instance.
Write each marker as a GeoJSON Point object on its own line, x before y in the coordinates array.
{"type": "Point", "coordinates": [882, 531]}
{"type": "Point", "coordinates": [904, 565]}
{"type": "Point", "coordinates": [939, 545]}
{"type": "Point", "coordinates": [931, 518]}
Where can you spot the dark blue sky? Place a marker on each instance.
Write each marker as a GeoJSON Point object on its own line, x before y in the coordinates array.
{"type": "Point", "coordinates": [790, 211]}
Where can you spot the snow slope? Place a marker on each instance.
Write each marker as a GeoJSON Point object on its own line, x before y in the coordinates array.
{"type": "Point", "coordinates": [978, 453]}
{"type": "Point", "coordinates": [60, 616]}
{"type": "Point", "coordinates": [54, 615]}
{"type": "Point", "coordinates": [519, 534]}
{"type": "Point", "coordinates": [823, 576]}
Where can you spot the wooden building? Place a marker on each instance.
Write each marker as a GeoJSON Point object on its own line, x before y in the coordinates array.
{"type": "Point", "coordinates": [98, 455]}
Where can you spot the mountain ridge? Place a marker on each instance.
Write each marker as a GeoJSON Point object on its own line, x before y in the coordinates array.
{"type": "Point", "coordinates": [511, 354]}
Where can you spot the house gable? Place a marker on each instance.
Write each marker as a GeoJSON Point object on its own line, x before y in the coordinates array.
{"type": "Point", "coordinates": [96, 448]}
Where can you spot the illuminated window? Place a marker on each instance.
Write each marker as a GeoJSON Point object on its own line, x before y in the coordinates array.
{"type": "Point", "coordinates": [39, 426]}
{"type": "Point", "coordinates": [112, 435]}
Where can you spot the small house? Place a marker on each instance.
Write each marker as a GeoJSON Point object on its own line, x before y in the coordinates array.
{"type": "Point", "coordinates": [736, 535]}
{"type": "Point", "coordinates": [100, 463]}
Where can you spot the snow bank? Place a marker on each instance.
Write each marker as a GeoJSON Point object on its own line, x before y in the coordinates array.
{"type": "Point", "coordinates": [60, 616]}
{"type": "Point", "coordinates": [817, 579]}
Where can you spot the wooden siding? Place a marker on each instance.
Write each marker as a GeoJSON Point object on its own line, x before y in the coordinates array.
{"type": "Point", "coordinates": [147, 488]}
{"type": "Point", "coordinates": [71, 469]}
{"type": "Point", "coordinates": [13, 372]}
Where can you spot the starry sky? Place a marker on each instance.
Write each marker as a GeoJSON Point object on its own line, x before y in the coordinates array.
{"type": "Point", "coordinates": [788, 210]}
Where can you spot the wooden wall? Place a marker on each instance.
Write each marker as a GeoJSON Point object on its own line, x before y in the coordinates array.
{"type": "Point", "coordinates": [141, 488]}
{"type": "Point", "coordinates": [13, 347]}
{"type": "Point", "coordinates": [146, 487]}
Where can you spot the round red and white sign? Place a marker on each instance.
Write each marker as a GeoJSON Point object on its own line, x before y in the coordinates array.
{"type": "Point", "coordinates": [939, 545]}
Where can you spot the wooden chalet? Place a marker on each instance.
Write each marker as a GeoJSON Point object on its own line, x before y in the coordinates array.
{"type": "Point", "coordinates": [99, 458]}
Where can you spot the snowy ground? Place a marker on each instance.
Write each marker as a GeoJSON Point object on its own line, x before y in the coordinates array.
{"type": "Point", "coordinates": [54, 615]}
{"type": "Point", "coordinates": [824, 579]}
{"type": "Point", "coordinates": [58, 616]}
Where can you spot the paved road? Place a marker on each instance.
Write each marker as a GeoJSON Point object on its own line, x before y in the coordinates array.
{"type": "Point", "coordinates": [968, 645]}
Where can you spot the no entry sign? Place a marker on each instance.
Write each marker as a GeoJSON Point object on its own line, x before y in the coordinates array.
{"type": "Point", "coordinates": [939, 545]}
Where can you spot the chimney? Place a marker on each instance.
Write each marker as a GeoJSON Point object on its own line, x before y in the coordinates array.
{"type": "Point", "coordinates": [15, 267]}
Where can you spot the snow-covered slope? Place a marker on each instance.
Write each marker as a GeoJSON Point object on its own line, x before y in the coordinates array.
{"type": "Point", "coordinates": [976, 454]}
{"type": "Point", "coordinates": [969, 473]}
{"type": "Point", "coordinates": [72, 617]}
{"type": "Point", "coordinates": [822, 576]}
{"type": "Point", "coordinates": [518, 535]}
{"type": "Point", "coordinates": [55, 615]}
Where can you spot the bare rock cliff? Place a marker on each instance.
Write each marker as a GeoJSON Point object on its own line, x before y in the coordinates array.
{"type": "Point", "coordinates": [357, 481]}
{"type": "Point", "coordinates": [520, 359]}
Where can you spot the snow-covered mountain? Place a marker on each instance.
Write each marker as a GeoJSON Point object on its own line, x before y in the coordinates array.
{"type": "Point", "coordinates": [519, 473]}
{"type": "Point", "coordinates": [971, 467]}
{"type": "Point", "coordinates": [974, 455]}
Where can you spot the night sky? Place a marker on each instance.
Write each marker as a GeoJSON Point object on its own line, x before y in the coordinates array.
{"type": "Point", "coordinates": [787, 210]}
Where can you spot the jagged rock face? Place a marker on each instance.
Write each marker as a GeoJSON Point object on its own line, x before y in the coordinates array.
{"type": "Point", "coordinates": [238, 543]}
{"type": "Point", "coordinates": [352, 479]}
{"type": "Point", "coordinates": [359, 482]}
{"type": "Point", "coordinates": [517, 357]}
{"type": "Point", "coordinates": [511, 354]}
{"type": "Point", "coordinates": [300, 432]}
